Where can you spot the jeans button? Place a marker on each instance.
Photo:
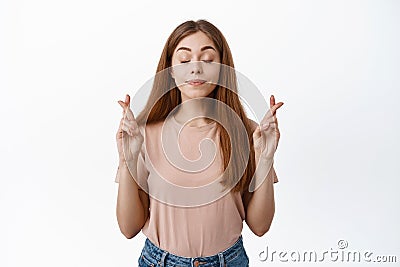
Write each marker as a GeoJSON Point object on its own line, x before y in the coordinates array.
{"type": "Point", "coordinates": [196, 263]}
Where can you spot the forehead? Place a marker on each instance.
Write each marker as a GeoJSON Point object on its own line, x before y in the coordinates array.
{"type": "Point", "coordinates": [195, 42]}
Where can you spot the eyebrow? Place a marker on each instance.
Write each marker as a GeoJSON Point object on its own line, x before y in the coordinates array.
{"type": "Point", "coordinates": [202, 49]}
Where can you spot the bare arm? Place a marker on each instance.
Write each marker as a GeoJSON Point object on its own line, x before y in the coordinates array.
{"type": "Point", "coordinates": [260, 205]}
{"type": "Point", "coordinates": [132, 203]}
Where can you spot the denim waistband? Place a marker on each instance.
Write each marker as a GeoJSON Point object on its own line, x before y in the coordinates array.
{"type": "Point", "coordinates": [220, 258]}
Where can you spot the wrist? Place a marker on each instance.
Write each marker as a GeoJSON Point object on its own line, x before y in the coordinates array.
{"type": "Point", "coordinates": [121, 161]}
{"type": "Point", "coordinates": [124, 162]}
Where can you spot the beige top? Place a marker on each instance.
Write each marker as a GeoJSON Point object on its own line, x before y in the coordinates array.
{"type": "Point", "coordinates": [187, 231]}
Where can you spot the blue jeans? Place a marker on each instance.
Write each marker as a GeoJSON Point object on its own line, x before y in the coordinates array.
{"type": "Point", "coordinates": [235, 255]}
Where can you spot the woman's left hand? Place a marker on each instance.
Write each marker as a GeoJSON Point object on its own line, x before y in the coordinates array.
{"type": "Point", "coordinates": [266, 136]}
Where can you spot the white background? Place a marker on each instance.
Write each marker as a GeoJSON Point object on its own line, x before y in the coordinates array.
{"type": "Point", "coordinates": [65, 64]}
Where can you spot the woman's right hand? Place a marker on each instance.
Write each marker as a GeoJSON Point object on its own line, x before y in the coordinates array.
{"type": "Point", "coordinates": [129, 137]}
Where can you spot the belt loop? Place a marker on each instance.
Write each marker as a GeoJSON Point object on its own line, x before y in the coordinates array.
{"type": "Point", "coordinates": [221, 259]}
{"type": "Point", "coordinates": [163, 258]}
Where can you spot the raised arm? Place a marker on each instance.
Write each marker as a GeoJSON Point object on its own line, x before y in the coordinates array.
{"type": "Point", "coordinates": [132, 202]}
{"type": "Point", "coordinates": [260, 202]}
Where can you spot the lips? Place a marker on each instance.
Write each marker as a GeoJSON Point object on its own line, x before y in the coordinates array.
{"type": "Point", "coordinates": [196, 82]}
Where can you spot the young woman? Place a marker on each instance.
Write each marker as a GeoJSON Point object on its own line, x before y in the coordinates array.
{"type": "Point", "coordinates": [199, 227]}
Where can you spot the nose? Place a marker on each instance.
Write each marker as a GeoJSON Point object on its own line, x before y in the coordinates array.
{"type": "Point", "coordinates": [197, 67]}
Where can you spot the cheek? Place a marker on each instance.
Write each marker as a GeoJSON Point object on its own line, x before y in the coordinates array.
{"type": "Point", "coordinates": [211, 72]}
{"type": "Point", "coordinates": [181, 72]}
{"type": "Point", "coordinates": [179, 78]}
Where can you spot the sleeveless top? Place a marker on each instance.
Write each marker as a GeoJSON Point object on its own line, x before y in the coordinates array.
{"type": "Point", "coordinates": [202, 227]}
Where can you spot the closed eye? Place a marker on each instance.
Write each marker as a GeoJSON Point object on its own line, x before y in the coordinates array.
{"type": "Point", "coordinates": [206, 61]}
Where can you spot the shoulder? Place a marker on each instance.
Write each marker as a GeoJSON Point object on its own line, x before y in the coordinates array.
{"type": "Point", "coordinates": [151, 128]}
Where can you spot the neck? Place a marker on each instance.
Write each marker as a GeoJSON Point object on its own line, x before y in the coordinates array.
{"type": "Point", "coordinates": [194, 110]}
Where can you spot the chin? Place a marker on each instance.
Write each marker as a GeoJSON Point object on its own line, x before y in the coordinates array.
{"type": "Point", "coordinates": [197, 92]}
{"type": "Point", "coordinates": [193, 96]}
